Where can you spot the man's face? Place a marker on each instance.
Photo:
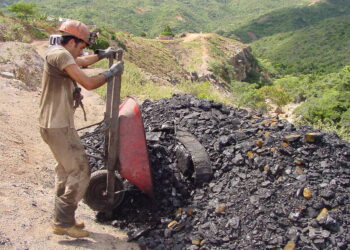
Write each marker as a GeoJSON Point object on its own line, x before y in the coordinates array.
{"type": "Point", "coordinates": [78, 49]}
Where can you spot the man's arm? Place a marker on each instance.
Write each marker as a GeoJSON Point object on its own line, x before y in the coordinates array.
{"type": "Point", "coordinates": [85, 61]}
{"type": "Point", "coordinates": [89, 83]}
{"type": "Point", "coordinates": [100, 54]}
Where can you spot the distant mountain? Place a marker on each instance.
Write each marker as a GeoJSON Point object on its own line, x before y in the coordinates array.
{"type": "Point", "coordinates": [5, 3]}
{"type": "Point", "coordinates": [323, 47]}
{"type": "Point", "coordinates": [291, 19]}
{"type": "Point", "coordinates": [150, 16]}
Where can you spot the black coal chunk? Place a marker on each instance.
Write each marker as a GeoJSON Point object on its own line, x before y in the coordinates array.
{"type": "Point", "coordinates": [269, 186]}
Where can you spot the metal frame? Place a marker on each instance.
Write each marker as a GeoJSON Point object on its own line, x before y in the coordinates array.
{"type": "Point", "coordinates": [111, 147]}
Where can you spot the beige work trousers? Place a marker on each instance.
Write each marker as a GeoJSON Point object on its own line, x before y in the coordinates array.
{"type": "Point", "coordinates": [72, 172]}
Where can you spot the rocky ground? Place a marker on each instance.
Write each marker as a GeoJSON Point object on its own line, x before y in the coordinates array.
{"type": "Point", "coordinates": [243, 181]}
{"type": "Point", "coordinates": [226, 178]}
{"type": "Point", "coordinates": [26, 163]}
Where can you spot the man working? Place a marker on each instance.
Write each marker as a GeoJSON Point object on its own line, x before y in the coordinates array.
{"type": "Point", "coordinates": [61, 71]}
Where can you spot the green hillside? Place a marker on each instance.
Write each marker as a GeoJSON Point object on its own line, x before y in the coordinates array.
{"type": "Point", "coordinates": [150, 16]}
{"type": "Point", "coordinates": [324, 47]}
{"type": "Point", "coordinates": [305, 49]}
{"type": "Point", "coordinates": [14, 29]}
{"type": "Point", "coordinates": [291, 19]}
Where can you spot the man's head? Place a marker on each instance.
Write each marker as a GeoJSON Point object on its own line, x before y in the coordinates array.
{"type": "Point", "coordinates": [74, 45]}
{"type": "Point", "coordinates": [75, 37]}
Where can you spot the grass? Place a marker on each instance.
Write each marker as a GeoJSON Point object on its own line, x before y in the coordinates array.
{"type": "Point", "coordinates": [328, 127]}
{"type": "Point", "coordinates": [135, 84]}
{"type": "Point", "coordinates": [22, 31]}
{"type": "Point", "coordinates": [205, 90]}
{"type": "Point", "coordinates": [192, 52]}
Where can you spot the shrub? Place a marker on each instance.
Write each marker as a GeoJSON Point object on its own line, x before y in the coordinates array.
{"type": "Point", "coordinates": [203, 90]}
{"type": "Point", "coordinates": [276, 94]}
{"type": "Point", "coordinates": [223, 70]}
{"type": "Point", "coordinates": [121, 44]}
{"type": "Point", "coordinates": [345, 119]}
{"type": "Point", "coordinates": [101, 43]}
{"type": "Point", "coordinates": [328, 107]}
{"type": "Point", "coordinates": [23, 10]}
{"type": "Point", "coordinates": [167, 31]}
{"type": "Point", "coordinates": [346, 69]}
{"type": "Point", "coordinates": [248, 95]}
{"type": "Point", "coordinates": [37, 33]}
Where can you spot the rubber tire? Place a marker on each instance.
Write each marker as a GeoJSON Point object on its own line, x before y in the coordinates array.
{"type": "Point", "coordinates": [94, 197]}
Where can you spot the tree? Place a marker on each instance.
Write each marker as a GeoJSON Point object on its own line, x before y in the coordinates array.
{"type": "Point", "coordinates": [167, 31]}
{"type": "Point", "coordinates": [23, 10]}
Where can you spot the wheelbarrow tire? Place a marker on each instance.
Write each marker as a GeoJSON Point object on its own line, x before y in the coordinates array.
{"type": "Point", "coordinates": [95, 196]}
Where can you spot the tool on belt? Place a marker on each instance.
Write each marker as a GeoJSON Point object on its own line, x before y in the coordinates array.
{"type": "Point", "coordinates": [78, 99]}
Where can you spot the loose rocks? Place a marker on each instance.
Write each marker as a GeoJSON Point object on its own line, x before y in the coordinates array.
{"type": "Point", "coordinates": [270, 182]}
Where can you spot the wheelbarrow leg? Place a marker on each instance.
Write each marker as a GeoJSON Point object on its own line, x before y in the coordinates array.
{"type": "Point", "coordinates": [113, 136]}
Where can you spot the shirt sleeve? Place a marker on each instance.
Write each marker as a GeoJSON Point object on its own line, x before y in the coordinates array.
{"type": "Point", "coordinates": [61, 59]}
{"type": "Point", "coordinates": [65, 59]}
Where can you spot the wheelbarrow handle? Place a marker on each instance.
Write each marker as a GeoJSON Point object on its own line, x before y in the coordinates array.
{"type": "Point", "coordinates": [113, 136]}
{"type": "Point", "coordinates": [119, 54]}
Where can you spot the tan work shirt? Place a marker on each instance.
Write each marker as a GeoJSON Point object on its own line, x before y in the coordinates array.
{"type": "Point", "coordinates": [56, 104]}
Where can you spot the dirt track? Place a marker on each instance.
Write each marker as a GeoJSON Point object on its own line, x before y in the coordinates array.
{"type": "Point", "coordinates": [27, 176]}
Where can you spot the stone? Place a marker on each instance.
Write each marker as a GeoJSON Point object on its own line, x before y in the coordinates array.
{"type": "Point", "coordinates": [299, 170]}
{"type": "Point", "coordinates": [220, 209]}
{"type": "Point", "coordinates": [7, 75]}
{"type": "Point", "coordinates": [196, 242]}
{"type": "Point", "coordinates": [307, 193]}
{"type": "Point", "coordinates": [172, 223]}
{"type": "Point", "coordinates": [291, 138]}
{"type": "Point", "coordinates": [290, 245]}
{"type": "Point", "coordinates": [259, 143]}
{"type": "Point", "coordinates": [313, 137]}
{"type": "Point", "coordinates": [323, 215]}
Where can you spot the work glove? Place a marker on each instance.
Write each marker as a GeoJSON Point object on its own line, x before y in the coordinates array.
{"type": "Point", "coordinates": [114, 69]}
{"type": "Point", "coordinates": [104, 53]}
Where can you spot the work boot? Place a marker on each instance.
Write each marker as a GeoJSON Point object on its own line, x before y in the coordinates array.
{"type": "Point", "coordinates": [80, 224]}
{"type": "Point", "coordinates": [71, 231]}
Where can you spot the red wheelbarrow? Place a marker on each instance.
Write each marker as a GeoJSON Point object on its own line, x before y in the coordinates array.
{"type": "Point", "coordinates": [125, 152]}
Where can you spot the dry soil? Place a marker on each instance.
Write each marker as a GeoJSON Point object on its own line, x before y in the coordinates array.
{"type": "Point", "coordinates": [27, 173]}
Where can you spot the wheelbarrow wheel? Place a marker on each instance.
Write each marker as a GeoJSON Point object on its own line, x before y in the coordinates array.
{"type": "Point", "coordinates": [95, 196]}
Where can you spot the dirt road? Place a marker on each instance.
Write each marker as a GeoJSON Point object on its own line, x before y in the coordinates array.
{"type": "Point", "coordinates": [27, 177]}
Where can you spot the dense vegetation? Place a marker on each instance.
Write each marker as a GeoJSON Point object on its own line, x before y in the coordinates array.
{"type": "Point", "coordinates": [323, 99]}
{"type": "Point", "coordinates": [321, 48]}
{"type": "Point", "coordinates": [306, 52]}
{"type": "Point", "coordinates": [304, 49]}
{"type": "Point", "coordinates": [290, 19]}
{"type": "Point", "coordinates": [150, 16]}
{"type": "Point", "coordinates": [28, 25]}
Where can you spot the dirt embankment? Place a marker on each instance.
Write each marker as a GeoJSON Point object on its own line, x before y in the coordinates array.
{"type": "Point", "coordinates": [27, 165]}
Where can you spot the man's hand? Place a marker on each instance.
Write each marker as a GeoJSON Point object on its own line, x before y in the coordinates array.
{"type": "Point", "coordinates": [104, 53]}
{"type": "Point", "coordinates": [114, 69]}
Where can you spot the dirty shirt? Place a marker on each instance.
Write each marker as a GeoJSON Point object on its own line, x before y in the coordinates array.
{"type": "Point", "coordinates": [56, 104]}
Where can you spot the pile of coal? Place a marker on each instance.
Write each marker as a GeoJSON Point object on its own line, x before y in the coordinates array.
{"type": "Point", "coordinates": [273, 185]}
